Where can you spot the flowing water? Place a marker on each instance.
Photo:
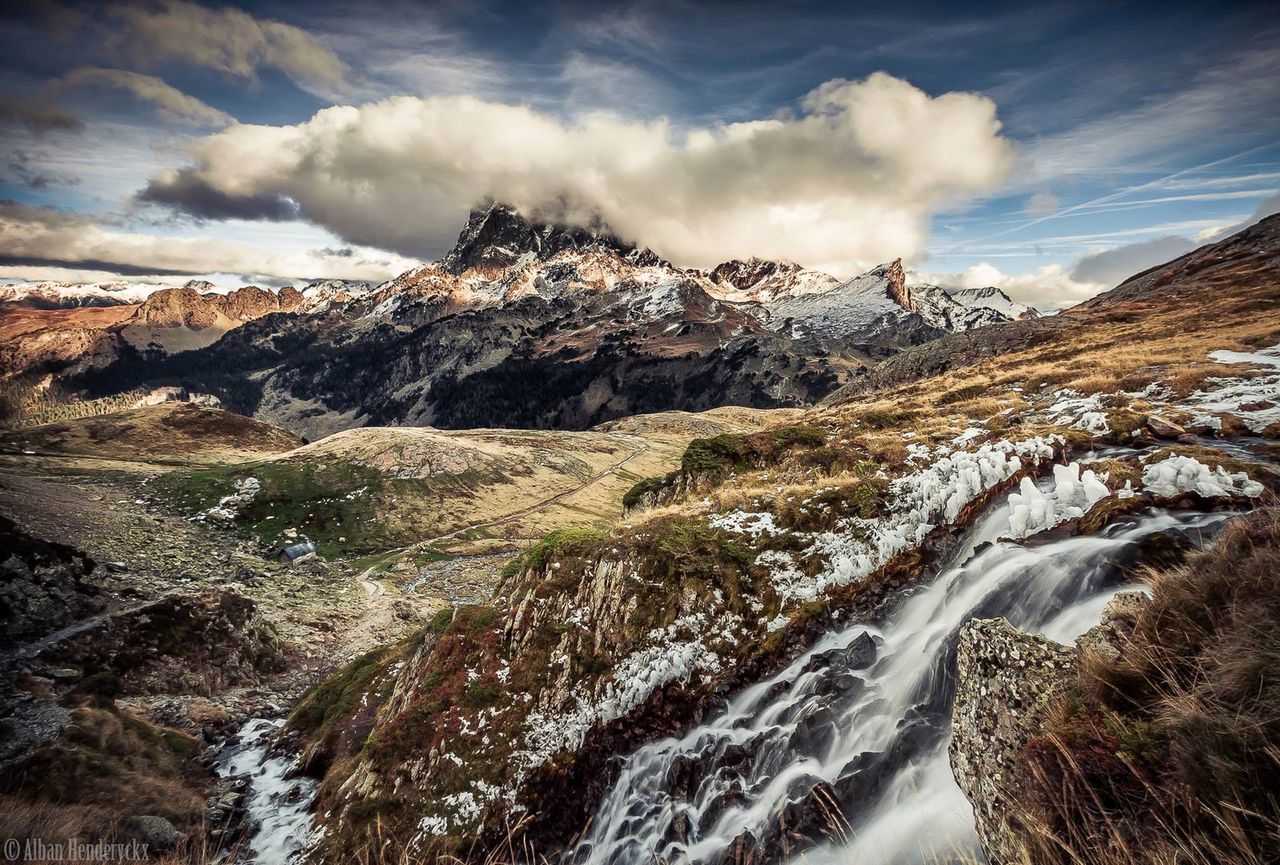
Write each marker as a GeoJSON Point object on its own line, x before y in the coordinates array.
{"type": "Point", "coordinates": [866, 729]}
{"type": "Point", "coordinates": [278, 805]}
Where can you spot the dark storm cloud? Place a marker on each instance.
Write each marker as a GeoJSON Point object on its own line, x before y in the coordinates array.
{"type": "Point", "coordinates": [37, 116]}
{"type": "Point", "coordinates": [187, 193]}
{"type": "Point", "coordinates": [1116, 265]}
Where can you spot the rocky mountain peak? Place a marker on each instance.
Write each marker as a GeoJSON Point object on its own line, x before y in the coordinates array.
{"type": "Point", "coordinates": [746, 274]}
{"type": "Point", "coordinates": [498, 236]}
{"type": "Point", "coordinates": [896, 284]}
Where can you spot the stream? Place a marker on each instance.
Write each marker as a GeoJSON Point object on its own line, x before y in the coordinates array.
{"type": "Point", "coordinates": [278, 806]}
{"type": "Point", "coordinates": [859, 725]}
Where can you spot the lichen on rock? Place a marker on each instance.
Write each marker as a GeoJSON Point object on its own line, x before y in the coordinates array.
{"type": "Point", "coordinates": [1006, 680]}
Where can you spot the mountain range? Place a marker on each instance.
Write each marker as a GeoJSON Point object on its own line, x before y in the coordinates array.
{"type": "Point", "coordinates": [522, 323]}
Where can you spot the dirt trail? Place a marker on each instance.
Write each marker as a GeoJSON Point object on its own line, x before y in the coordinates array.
{"type": "Point", "coordinates": [628, 441]}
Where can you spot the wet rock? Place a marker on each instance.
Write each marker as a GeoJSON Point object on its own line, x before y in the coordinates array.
{"type": "Point", "coordinates": [861, 653]}
{"type": "Point", "coordinates": [684, 776]}
{"type": "Point", "coordinates": [744, 850]}
{"type": "Point", "coordinates": [1006, 680]}
{"type": "Point", "coordinates": [815, 731]}
{"type": "Point", "coordinates": [1163, 427]}
{"type": "Point", "coordinates": [804, 822]}
{"type": "Point", "coordinates": [224, 810]}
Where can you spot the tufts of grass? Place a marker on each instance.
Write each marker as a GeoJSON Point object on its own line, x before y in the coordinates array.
{"type": "Point", "coordinates": [1170, 752]}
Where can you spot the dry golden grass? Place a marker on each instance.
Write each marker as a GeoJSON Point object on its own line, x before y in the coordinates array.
{"type": "Point", "coordinates": [1169, 754]}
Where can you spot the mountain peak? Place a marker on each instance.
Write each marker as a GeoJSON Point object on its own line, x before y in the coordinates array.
{"type": "Point", "coordinates": [499, 236]}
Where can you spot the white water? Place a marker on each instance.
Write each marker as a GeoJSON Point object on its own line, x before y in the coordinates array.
{"type": "Point", "coordinates": [279, 806]}
{"type": "Point", "coordinates": [884, 748]}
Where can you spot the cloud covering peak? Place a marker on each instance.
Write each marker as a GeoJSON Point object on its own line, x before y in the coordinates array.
{"type": "Point", "coordinates": [848, 180]}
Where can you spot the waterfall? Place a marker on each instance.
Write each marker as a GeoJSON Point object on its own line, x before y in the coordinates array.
{"type": "Point", "coordinates": [858, 726]}
{"type": "Point", "coordinates": [278, 806]}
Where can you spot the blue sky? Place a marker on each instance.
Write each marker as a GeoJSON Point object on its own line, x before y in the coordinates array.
{"type": "Point", "coordinates": [1128, 132]}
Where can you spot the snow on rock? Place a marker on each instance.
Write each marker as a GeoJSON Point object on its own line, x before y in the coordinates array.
{"type": "Point", "coordinates": [751, 523]}
{"type": "Point", "coordinates": [228, 508]}
{"type": "Point", "coordinates": [1074, 491]}
{"type": "Point", "coordinates": [1079, 412]}
{"type": "Point", "coordinates": [920, 500]}
{"type": "Point", "coordinates": [1093, 422]}
{"type": "Point", "coordinates": [1181, 474]}
{"type": "Point", "coordinates": [676, 654]}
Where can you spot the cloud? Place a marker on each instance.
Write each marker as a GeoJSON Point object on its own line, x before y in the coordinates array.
{"type": "Point", "coordinates": [36, 116]}
{"type": "Point", "coordinates": [847, 181]}
{"type": "Point", "coordinates": [185, 192]}
{"type": "Point", "coordinates": [173, 104]}
{"type": "Point", "coordinates": [225, 39]}
{"type": "Point", "coordinates": [1049, 288]}
{"type": "Point", "coordinates": [1041, 203]}
{"type": "Point", "coordinates": [39, 237]}
{"type": "Point", "coordinates": [1114, 266]}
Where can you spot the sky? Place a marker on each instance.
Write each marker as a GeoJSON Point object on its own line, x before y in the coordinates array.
{"type": "Point", "coordinates": [1049, 149]}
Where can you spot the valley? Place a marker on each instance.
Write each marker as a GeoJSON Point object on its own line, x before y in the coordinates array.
{"type": "Point", "coordinates": [735, 634]}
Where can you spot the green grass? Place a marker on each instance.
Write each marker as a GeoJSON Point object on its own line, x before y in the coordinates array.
{"type": "Point", "coordinates": [643, 488]}
{"type": "Point", "coordinates": [566, 541]}
{"type": "Point", "coordinates": [330, 702]}
{"type": "Point", "coordinates": [754, 450]}
{"type": "Point", "coordinates": [348, 510]}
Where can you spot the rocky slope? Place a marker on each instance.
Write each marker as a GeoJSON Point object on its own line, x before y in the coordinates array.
{"type": "Point", "coordinates": [600, 645]}
{"type": "Point", "coordinates": [529, 324]}
{"type": "Point", "coordinates": [1237, 275]}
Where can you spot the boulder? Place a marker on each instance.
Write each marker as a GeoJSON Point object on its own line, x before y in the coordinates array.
{"type": "Point", "coordinates": [1006, 680]}
{"type": "Point", "coordinates": [1106, 639]}
{"type": "Point", "coordinates": [861, 653]}
{"type": "Point", "coordinates": [156, 832]}
{"type": "Point", "coordinates": [1163, 427]}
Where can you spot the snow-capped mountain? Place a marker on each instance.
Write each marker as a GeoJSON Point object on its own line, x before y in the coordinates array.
{"type": "Point", "coordinates": [993, 298]}
{"type": "Point", "coordinates": [533, 324]}
{"type": "Point", "coordinates": [759, 280]}
{"type": "Point", "coordinates": [867, 305]}
{"type": "Point", "coordinates": [66, 295]}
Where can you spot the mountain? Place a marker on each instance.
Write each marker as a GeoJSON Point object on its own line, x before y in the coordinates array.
{"type": "Point", "coordinates": [801, 623]}
{"type": "Point", "coordinates": [1216, 273]}
{"type": "Point", "coordinates": [47, 338]}
{"type": "Point", "coordinates": [534, 324]}
{"type": "Point", "coordinates": [63, 295]}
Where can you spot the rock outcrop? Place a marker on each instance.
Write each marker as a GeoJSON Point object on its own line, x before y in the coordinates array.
{"type": "Point", "coordinates": [43, 586]}
{"type": "Point", "coordinates": [1006, 680]}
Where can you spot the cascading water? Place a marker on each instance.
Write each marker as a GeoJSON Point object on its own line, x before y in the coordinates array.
{"type": "Point", "coordinates": [854, 733]}
{"type": "Point", "coordinates": [278, 805]}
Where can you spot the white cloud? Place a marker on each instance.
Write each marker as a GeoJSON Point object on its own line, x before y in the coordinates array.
{"type": "Point", "coordinates": [226, 39]}
{"type": "Point", "coordinates": [173, 104]}
{"type": "Point", "coordinates": [34, 239]}
{"type": "Point", "coordinates": [848, 181]}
